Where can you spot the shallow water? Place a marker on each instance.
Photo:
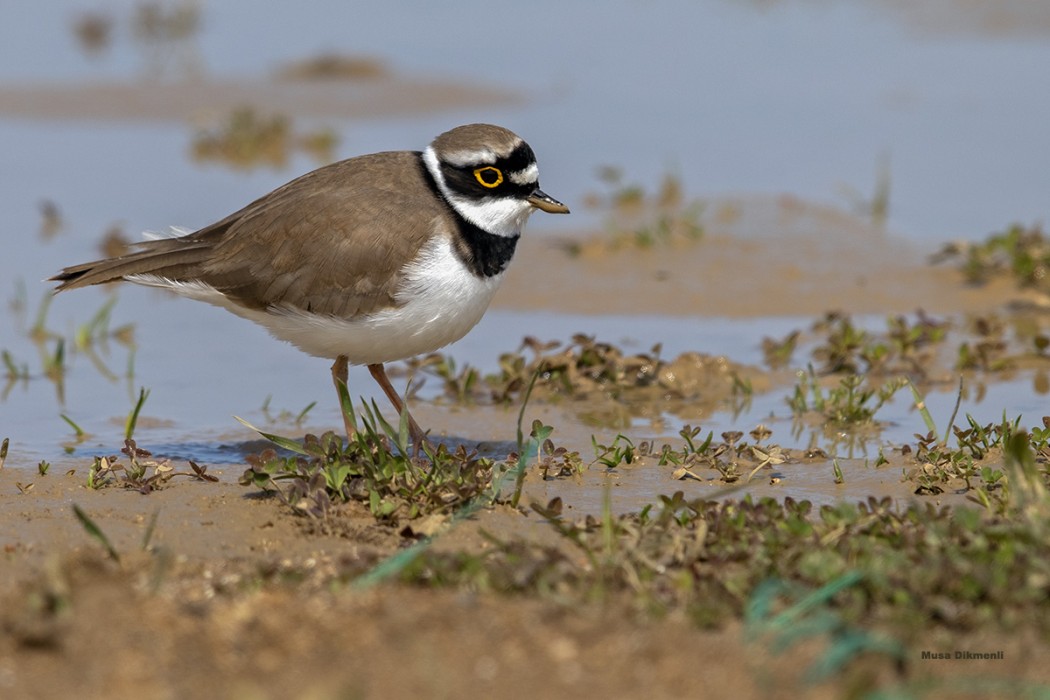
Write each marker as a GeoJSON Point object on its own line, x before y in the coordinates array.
{"type": "Point", "coordinates": [794, 97]}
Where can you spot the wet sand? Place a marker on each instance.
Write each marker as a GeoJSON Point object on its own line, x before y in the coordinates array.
{"type": "Point", "coordinates": [761, 256]}
{"type": "Point", "coordinates": [188, 100]}
{"type": "Point", "coordinates": [238, 597]}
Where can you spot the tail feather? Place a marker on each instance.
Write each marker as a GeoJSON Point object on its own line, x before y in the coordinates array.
{"type": "Point", "coordinates": [174, 259]}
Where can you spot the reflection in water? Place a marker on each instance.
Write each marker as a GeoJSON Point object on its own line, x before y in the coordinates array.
{"type": "Point", "coordinates": [877, 208]}
{"type": "Point", "coordinates": [50, 220]}
{"type": "Point", "coordinates": [91, 339]}
{"type": "Point", "coordinates": [1002, 18]}
{"type": "Point", "coordinates": [330, 66]}
{"type": "Point", "coordinates": [114, 243]}
{"type": "Point", "coordinates": [638, 220]}
{"type": "Point", "coordinates": [93, 32]}
{"type": "Point", "coordinates": [248, 140]}
{"type": "Point", "coordinates": [165, 34]}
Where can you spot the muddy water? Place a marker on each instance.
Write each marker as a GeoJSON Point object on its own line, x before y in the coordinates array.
{"type": "Point", "coordinates": [197, 386]}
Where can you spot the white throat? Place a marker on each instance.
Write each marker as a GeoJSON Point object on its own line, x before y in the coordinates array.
{"type": "Point", "coordinates": [501, 216]}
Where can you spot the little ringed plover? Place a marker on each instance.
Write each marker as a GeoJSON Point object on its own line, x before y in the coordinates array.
{"type": "Point", "coordinates": [372, 259]}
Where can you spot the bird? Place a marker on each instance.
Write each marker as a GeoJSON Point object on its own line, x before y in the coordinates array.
{"type": "Point", "coordinates": [369, 260]}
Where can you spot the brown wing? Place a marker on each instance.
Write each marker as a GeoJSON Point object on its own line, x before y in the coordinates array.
{"type": "Point", "coordinates": [332, 241]}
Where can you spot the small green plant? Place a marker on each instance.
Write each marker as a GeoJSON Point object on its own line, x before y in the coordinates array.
{"type": "Point", "coordinates": [133, 417]}
{"type": "Point", "coordinates": [852, 402]}
{"type": "Point", "coordinates": [297, 419]}
{"type": "Point", "coordinates": [906, 348]}
{"type": "Point", "coordinates": [730, 458]}
{"type": "Point", "coordinates": [803, 614]}
{"type": "Point", "coordinates": [837, 471]}
{"type": "Point", "coordinates": [639, 220]}
{"type": "Point", "coordinates": [374, 466]}
{"type": "Point", "coordinates": [777, 353]}
{"type": "Point", "coordinates": [461, 384]}
{"type": "Point", "coordinates": [1019, 252]}
{"type": "Point", "coordinates": [134, 471]}
{"type": "Point", "coordinates": [248, 140]}
{"type": "Point", "coordinates": [97, 331]}
{"type": "Point", "coordinates": [842, 569]}
{"type": "Point", "coordinates": [988, 460]}
{"type": "Point", "coordinates": [92, 529]}
{"type": "Point", "coordinates": [620, 451]}
{"type": "Point", "coordinates": [554, 461]}
{"type": "Point", "coordinates": [13, 371]}
{"type": "Point", "coordinates": [988, 354]}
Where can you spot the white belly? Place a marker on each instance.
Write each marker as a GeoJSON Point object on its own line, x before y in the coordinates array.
{"type": "Point", "coordinates": [441, 301]}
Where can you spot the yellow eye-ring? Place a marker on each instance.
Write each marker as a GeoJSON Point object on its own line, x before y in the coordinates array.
{"type": "Point", "coordinates": [489, 176]}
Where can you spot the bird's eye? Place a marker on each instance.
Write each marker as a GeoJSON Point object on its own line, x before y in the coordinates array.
{"type": "Point", "coordinates": [489, 176]}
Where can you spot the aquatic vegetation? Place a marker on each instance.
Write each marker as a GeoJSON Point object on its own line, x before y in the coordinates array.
{"type": "Point", "coordinates": [586, 367]}
{"type": "Point", "coordinates": [333, 66]}
{"type": "Point", "coordinates": [13, 371]}
{"type": "Point", "coordinates": [375, 466]}
{"type": "Point", "coordinates": [778, 353]}
{"type": "Point", "coordinates": [710, 559]}
{"type": "Point", "coordinates": [325, 471]}
{"type": "Point", "coordinates": [285, 416]}
{"type": "Point", "coordinates": [988, 350]}
{"type": "Point", "coordinates": [1021, 253]}
{"type": "Point", "coordinates": [905, 348]}
{"type": "Point", "coordinates": [248, 140]}
{"type": "Point", "coordinates": [986, 460]}
{"type": "Point", "coordinates": [138, 470]}
{"type": "Point", "coordinates": [637, 219]}
{"type": "Point", "coordinates": [853, 401]}
{"type": "Point", "coordinates": [731, 458]}
{"type": "Point", "coordinates": [90, 339]}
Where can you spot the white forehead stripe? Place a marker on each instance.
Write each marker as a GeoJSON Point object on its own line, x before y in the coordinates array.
{"type": "Point", "coordinates": [481, 156]}
{"type": "Point", "coordinates": [528, 176]}
{"type": "Point", "coordinates": [461, 159]}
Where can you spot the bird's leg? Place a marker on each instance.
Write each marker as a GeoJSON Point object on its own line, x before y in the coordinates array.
{"type": "Point", "coordinates": [418, 437]}
{"type": "Point", "coordinates": [339, 373]}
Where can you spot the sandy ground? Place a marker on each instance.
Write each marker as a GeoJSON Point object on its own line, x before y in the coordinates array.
{"type": "Point", "coordinates": [762, 256]}
{"type": "Point", "coordinates": [199, 100]}
{"type": "Point", "coordinates": [238, 598]}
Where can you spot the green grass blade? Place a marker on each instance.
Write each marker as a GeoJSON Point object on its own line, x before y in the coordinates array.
{"type": "Point", "coordinates": [133, 417]}
{"type": "Point", "coordinates": [391, 566]}
{"type": "Point", "coordinates": [402, 429]}
{"type": "Point", "coordinates": [286, 443]}
{"type": "Point", "coordinates": [523, 454]}
{"type": "Point", "coordinates": [955, 412]}
{"type": "Point", "coordinates": [302, 414]}
{"type": "Point", "coordinates": [346, 404]}
{"type": "Point", "coordinates": [95, 327]}
{"type": "Point", "coordinates": [76, 428]}
{"type": "Point", "coordinates": [394, 435]}
{"type": "Point", "coordinates": [38, 330]}
{"type": "Point", "coordinates": [148, 534]}
{"type": "Point", "coordinates": [96, 532]}
{"type": "Point", "coordinates": [920, 404]}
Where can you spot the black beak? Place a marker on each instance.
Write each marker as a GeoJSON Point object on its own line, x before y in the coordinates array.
{"type": "Point", "coordinates": [543, 201]}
